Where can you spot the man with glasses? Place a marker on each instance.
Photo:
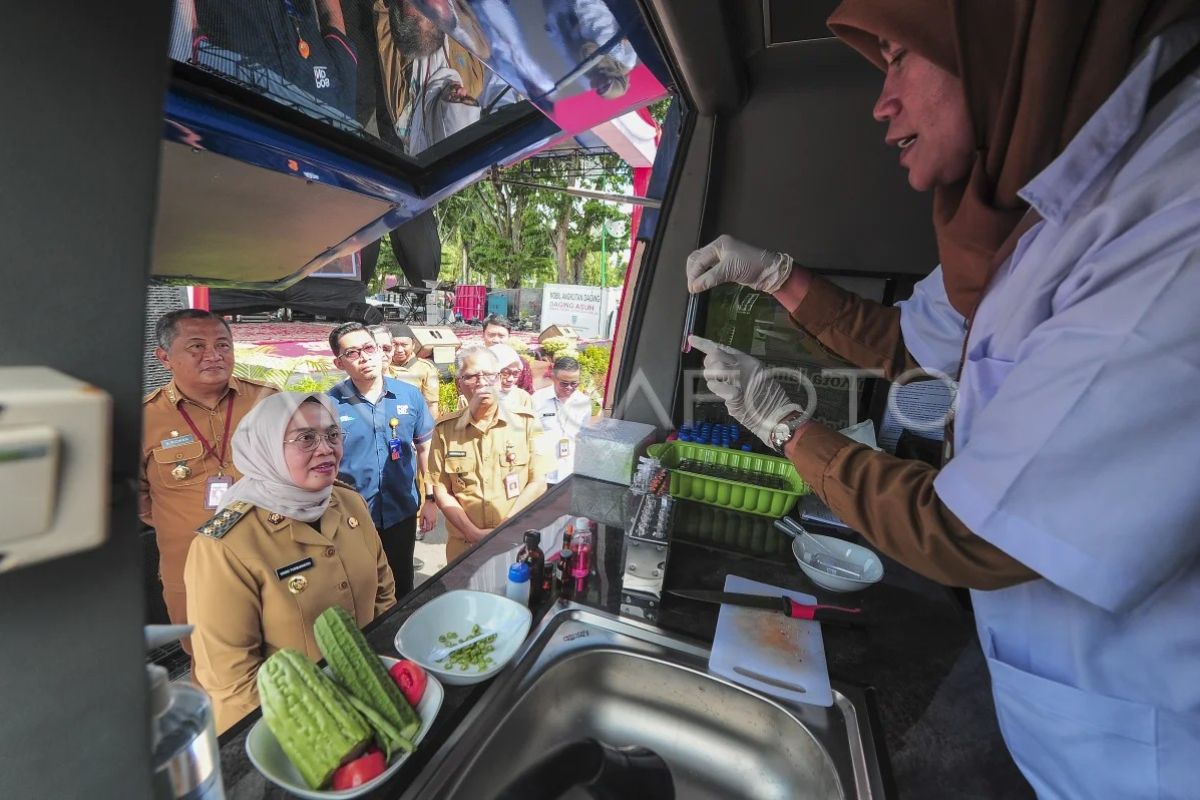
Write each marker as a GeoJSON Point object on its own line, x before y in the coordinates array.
{"type": "Point", "coordinates": [487, 462]}
{"type": "Point", "coordinates": [412, 370]}
{"type": "Point", "coordinates": [186, 462]}
{"type": "Point", "coordinates": [387, 429]}
{"type": "Point", "coordinates": [562, 410]}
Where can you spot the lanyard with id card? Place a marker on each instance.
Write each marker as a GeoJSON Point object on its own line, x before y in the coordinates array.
{"type": "Point", "coordinates": [216, 486]}
{"type": "Point", "coordinates": [394, 442]}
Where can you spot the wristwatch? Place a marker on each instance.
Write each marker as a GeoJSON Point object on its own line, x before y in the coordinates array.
{"type": "Point", "coordinates": [783, 431]}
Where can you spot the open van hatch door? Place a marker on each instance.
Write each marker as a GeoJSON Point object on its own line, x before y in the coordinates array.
{"type": "Point", "coordinates": [265, 179]}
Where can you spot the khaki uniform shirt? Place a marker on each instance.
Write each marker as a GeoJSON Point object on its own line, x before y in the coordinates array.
{"type": "Point", "coordinates": [472, 463]}
{"type": "Point", "coordinates": [170, 500]}
{"type": "Point", "coordinates": [257, 585]}
{"type": "Point", "coordinates": [424, 376]}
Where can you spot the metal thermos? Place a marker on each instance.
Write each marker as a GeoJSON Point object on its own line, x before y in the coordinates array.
{"type": "Point", "coordinates": [184, 755]}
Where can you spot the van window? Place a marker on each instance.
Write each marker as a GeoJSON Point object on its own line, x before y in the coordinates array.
{"type": "Point", "coordinates": [380, 71]}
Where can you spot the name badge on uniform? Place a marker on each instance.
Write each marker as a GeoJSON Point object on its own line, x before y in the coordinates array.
{"type": "Point", "coordinates": [564, 448]}
{"type": "Point", "coordinates": [456, 454]}
{"type": "Point", "coordinates": [177, 441]}
{"type": "Point", "coordinates": [292, 569]}
{"type": "Point", "coordinates": [215, 489]}
{"type": "Point", "coordinates": [512, 486]}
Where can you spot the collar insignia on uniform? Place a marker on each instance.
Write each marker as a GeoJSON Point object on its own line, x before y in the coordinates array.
{"type": "Point", "coordinates": [352, 522]}
{"type": "Point", "coordinates": [275, 519]}
{"type": "Point", "coordinates": [293, 568]}
{"type": "Point", "coordinates": [220, 524]}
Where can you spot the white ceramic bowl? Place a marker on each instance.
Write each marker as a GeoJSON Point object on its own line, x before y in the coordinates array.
{"type": "Point", "coordinates": [268, 757]}
{"type": "Point", "coordinates": [863, 558]}
{"type": "Point", "coordinates": [457, 611]}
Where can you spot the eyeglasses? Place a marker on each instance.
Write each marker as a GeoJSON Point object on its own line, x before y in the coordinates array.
{"type": "Point", "coordinates": [511, 373]}
{"type": "Point", "coordinates": [478, 377]}
{"type": "Point", "coordinates": [308, 440]}
{"type": "Point", "coordinates": [353, 353]}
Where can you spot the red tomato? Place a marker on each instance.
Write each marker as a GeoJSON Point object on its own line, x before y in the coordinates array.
{"type": "Point", "coordinates": [411, 679]}
{"type": "Point", "coordinates": [359, 771]}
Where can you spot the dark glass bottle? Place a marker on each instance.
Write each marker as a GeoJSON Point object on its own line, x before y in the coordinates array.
{"type": "Point", "coordinates": [562, 578]}
{"type": "Point", "coordinates": [531, 553]}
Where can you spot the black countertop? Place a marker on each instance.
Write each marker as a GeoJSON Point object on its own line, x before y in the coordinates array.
{"type": "Point", "coordinates": [919, 654]}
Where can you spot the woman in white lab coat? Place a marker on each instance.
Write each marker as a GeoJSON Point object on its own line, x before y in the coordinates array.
{"type": "Point", "coordinates": [1062, 142]}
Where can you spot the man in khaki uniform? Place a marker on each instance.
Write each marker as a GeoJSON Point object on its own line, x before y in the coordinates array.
{"type": "Point", "coordinates": [410, 369]}
{"type": "Point", "coordinates": [259, 580]}
{"type": "Point", "coordinates": [486, 463]}
{"type": "Point", "coordinates": [186, 460]}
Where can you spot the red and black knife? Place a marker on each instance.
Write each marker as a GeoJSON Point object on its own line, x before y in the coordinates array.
{"type": "Point", "coordinates": [775, 602]}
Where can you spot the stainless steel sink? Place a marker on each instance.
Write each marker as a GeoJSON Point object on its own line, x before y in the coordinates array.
{"type": "Point", "coordinates": [585, 673]}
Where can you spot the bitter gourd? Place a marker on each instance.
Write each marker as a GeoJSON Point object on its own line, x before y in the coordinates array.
{"type": "Point", "coordinates": [361, 673]}
{"type": "Point", "coordinates": [311, 717]}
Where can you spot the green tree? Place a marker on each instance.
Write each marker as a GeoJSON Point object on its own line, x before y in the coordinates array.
{"type": "Point", "coordinates": [575, 221]}
{"type": "Point", "coordinates": [521, 235]}
{"type": "Point", "coordinates": [499, 230]}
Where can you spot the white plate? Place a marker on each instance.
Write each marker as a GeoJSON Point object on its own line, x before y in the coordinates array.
{"type": "Point", "coordinates": [268, 757]}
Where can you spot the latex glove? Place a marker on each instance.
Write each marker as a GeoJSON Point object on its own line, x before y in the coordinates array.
{"type": "Point", "coordinates": [726, 260]}
{"type": "Point", "coordinates": [752, 396]}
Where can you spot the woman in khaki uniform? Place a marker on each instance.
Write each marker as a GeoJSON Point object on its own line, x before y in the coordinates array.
{"type": "Point", "coordinates": [287, 544]}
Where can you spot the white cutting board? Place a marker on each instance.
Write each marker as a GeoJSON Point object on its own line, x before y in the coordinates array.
{"type": "Point", "coordinates": [769, 652]}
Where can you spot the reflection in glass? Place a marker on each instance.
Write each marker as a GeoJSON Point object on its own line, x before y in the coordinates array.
{"type": "Point", "coordinates": [295, 51]}
{"type": "Point", "coordinates": [380, 69]}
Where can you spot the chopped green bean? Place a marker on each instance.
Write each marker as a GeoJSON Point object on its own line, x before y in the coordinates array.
{"type": "Point", "coordinates": [474, 657]}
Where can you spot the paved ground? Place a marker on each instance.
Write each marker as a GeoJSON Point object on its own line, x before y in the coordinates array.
{"type": "Point", "coordinates": [432, 551]}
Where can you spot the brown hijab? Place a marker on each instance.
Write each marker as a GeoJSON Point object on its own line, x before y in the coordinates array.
{"type": "Point", "coordinates": [1033, 73]}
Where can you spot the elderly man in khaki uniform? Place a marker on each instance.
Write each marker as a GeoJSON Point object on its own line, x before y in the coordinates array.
{"type": "Point", "coordinates": [487, 463]}
{"type": "Point", "coordinates": [410, 369]}
{"type": "Point", "coordinates": [186, 463]}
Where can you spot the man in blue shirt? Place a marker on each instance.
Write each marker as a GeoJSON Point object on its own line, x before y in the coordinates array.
{"type": "Point", "coordinates": [388, 428]}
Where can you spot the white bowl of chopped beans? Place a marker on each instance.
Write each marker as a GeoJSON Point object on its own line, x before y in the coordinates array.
{"type": "Point", "coordinates": [455, 617]}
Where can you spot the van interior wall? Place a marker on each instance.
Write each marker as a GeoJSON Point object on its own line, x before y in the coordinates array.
{"type": "Point", "coordinates": [80, 150]}
{"type": "Point", "coordinates": [802, 167]}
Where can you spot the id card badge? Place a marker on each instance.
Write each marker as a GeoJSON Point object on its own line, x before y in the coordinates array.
{"type": "Point", "coordinates": [512, 486]}
{"type": "Point", "coordinates": [394, 449]}
{"type": "Point", "coordinates": [214, 490]}
{"type": "Point", "coordinates": [564, 448]}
